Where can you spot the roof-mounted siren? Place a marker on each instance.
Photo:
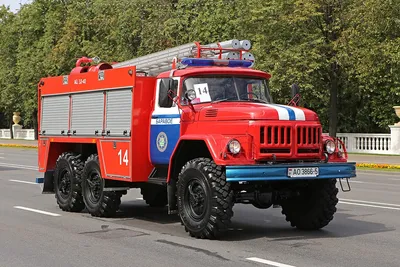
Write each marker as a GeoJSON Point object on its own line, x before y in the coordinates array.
{"type": "Point", "coordinates": [89, 68]}
{"type": "Point", "coordinates": [227, 50]}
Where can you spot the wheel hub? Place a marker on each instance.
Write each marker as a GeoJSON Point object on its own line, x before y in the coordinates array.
{"type": "Point", "coordinates": [94, 186]}
{"type": "Point", "coordinates": [196, 199]}
{"type": "Point", "coordinates": [65, 183]}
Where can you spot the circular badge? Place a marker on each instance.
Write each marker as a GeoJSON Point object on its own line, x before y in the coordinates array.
{"type": "Point", "coordinates": [162, 142]}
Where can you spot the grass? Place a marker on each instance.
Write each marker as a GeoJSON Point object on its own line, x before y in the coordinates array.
{"type": "Point", "coordinates": [18, 146]}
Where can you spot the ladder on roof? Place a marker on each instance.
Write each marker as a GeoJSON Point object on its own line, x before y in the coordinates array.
{"type": "Point", "coordinates": [165, 60]}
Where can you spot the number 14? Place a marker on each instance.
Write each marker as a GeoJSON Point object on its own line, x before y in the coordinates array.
{"type": "Point", "coordinates": [124, 158]}
{"type": "Point", "coordinates": [202, 91]}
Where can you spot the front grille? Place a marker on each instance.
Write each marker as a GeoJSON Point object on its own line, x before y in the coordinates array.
{"type": "Point", "coordinates": [275, 139]}
{"type": "Point", "coordinates": [308, 135]}
{"type": "Point", "coordinates": [301, 141]}
{"type": "Point", "coordinates": [275, 150]}
{"type": "Point", "coordinates": [275, 135]}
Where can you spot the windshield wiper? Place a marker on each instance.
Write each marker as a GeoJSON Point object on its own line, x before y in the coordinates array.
{"type": "Point", "coordinates": [228, 99]}
{"type": "Point", "coordinates": [256, 100]}
{"type": "Point", "coordinates": [220, 100]}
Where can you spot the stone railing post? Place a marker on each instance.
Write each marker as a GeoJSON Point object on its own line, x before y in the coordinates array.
{"type": "Point", "coordinates": [395, 133]}
{"type": "Point", "coordinates": [395, 138]}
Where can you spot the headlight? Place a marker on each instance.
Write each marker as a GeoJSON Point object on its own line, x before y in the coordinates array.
{"type": "Point", "coordinates": [234, 146]}
{"type": "Point", "coordinates": [330, 146]}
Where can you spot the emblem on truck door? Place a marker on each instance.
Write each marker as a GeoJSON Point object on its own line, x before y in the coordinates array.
{"type": "Point", "coordinates": [162, 141]}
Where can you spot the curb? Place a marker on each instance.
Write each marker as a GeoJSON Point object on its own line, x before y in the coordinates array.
{"type": "Point", "coordinates": [18, 146]}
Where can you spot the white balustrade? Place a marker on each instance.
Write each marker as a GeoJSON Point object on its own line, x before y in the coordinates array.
{"type": "Point", "coordinates": [367, 143]}
{"type": "Point", "coordinates": [22, 134]}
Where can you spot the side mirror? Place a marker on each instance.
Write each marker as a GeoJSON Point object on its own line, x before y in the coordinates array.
{"type": "Point", "coordinates": [295, 89]}
{"type": "Point", "coordinates": [295, 92]}
{"type": "Point", "coordinates": [170, 84]}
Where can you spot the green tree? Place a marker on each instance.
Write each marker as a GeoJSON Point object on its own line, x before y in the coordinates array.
{"type": "Point", "coordinates": [370, 54]}
{"type": "Point", "coordinates": [9, 96]}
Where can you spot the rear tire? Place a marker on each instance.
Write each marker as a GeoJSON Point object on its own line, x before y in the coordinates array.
{"type": "Point", "coordinates": [205, 199]}
{"type": "Point", "coordinates": [98, 202]}
{"type": "Point", "coordinates": [314, 207]}
{"type": "Point", "coordinates": [154, 195]}
{"type": "Point", "coordinates": [67, 182]}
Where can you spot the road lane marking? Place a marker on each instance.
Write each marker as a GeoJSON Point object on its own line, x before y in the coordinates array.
{"type": "Point", "coordinates": [1, 157]}
{"type": "Point", "coordinates": [139, 198]}
{"type": "Point", "coordinates": [358, 182]}
{"type": "Point", "coordinates": [378, 173]}
{"type": "Point", "coordinates": [37, 211]}
{"type": "Point", "coordinates": [368, 205]}
{"type": "Point", "coordinates": [394, 179]}
{"type": "Point", "coordinates": [23, 182]}
{"type": "Point", "coordinates": [17, 166]}
{"type": "Point", "coordinates": [272, 263]}
{"type": "Point", "coordinates": [371, 202]}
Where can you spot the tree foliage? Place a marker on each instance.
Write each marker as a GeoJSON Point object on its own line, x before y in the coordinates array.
{"type": "Point", "coordinates": [344, 54]}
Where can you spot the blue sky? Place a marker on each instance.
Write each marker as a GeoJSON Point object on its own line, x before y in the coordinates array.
{"type": "Point", "coordinates": [13, 4]}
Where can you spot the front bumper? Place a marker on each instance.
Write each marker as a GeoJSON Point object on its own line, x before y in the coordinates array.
{"type": "Point", "coordinates": [279, 172]}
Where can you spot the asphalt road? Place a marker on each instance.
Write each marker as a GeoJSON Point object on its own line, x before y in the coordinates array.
{"type": "Point", "coordinates": [365, 230]}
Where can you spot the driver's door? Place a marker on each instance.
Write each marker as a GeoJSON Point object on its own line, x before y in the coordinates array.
{"type": "Point", "coordinates": [165, 124]}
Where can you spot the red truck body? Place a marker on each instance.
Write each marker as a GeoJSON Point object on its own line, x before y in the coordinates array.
{"type": "Point", "coordinates": [52, 144]}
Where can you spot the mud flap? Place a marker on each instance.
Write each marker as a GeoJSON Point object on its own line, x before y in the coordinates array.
{"type": "Point", "coordinates": [171, 193]}
{"type": "Point", "coordinates": [48, 185]}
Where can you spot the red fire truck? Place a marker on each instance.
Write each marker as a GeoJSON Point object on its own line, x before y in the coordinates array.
{"type": "Point", "coordinates": [196, 129]}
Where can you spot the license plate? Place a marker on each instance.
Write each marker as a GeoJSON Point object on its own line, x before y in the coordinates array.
{"type": "Point", "coordinates": [303, 172]}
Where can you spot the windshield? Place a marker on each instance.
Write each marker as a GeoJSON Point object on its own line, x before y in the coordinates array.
{"type": "Point", "coordinates": [227, 88]}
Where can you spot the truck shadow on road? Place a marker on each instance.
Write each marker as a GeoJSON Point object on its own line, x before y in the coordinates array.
{"type": "Point", "coordinates": [137, 209]}
{"type": "Point", "coordinates": [249, 223]}
{"type": "Point", "coordinates": [274, 227]}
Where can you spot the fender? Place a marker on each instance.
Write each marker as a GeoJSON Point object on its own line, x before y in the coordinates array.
{"type": "Point", "coordinates": [211, 142]}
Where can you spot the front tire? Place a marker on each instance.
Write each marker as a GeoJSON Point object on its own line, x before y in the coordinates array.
{"type": "Point", "coordinates": [205, 199]}
{"type": "Point", "coordinates": [67, 182]}
{"type": "Point", "coordinates": [98, 202]}
{"type": "Point", "coordinates": [314, 207]}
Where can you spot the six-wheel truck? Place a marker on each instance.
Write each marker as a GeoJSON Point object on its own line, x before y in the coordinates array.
{"type": "Point", "coordinates": [196, 129]}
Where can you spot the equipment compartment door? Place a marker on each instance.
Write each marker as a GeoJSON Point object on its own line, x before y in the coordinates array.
{"type": "Point", "coordinates": [115, 158]}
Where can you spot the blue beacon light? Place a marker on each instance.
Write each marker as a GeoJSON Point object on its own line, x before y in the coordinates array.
{"type": "Point", "coordinates": [203, 62]}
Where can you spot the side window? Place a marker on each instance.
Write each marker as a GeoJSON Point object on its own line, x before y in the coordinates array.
{"type": "Point", "coordinates": [167, 91]}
